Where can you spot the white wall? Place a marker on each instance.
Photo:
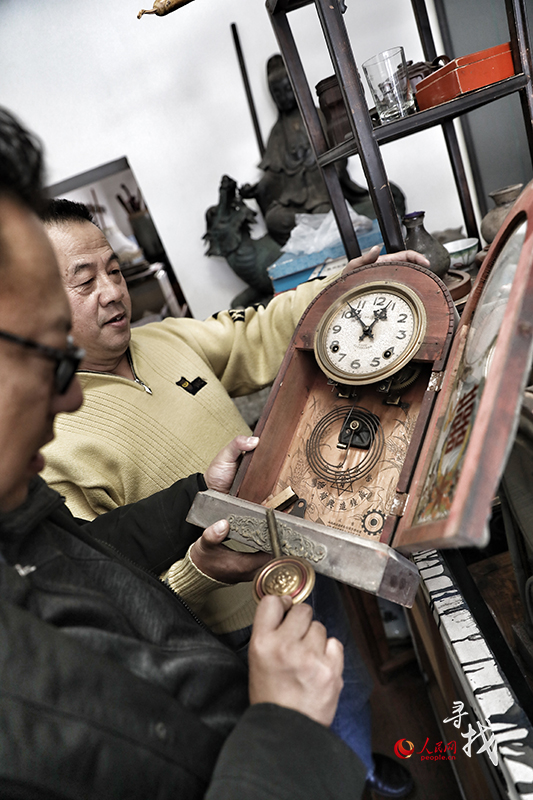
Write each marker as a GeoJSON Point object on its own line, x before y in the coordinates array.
{"type": "Point", "coordinates": [96, 83]}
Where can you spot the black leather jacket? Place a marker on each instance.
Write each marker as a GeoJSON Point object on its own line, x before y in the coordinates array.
{"type": "Point", "coordinates": [110, 688]}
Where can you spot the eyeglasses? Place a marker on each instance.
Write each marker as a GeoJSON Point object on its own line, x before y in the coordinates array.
{"type": "Point", "coordinates": [67, 361]}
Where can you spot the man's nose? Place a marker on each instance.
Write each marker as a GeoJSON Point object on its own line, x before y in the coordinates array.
{"type": "Point", "coordinates": [70, 401]}
{"type": "Point", "coordinates": [111, 289]}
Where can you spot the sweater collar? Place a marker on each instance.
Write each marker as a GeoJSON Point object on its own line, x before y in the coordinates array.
{"type": "Point", "coordinates": [85, 375]}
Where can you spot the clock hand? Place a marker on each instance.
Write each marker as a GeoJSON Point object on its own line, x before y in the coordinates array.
{"type": "Point", "coordinates": [381, 314]}
{"type": "Point", "coordinates": [367, 331]}
{"type": "Point", "coordinates": [356, 313]}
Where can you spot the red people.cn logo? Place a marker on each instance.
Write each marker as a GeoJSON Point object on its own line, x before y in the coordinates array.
{"type": "Point", "coordinates": [404, 748]}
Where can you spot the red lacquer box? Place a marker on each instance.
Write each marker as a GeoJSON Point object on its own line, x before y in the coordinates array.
{"type": "Point", "coordinates": [465, 74]}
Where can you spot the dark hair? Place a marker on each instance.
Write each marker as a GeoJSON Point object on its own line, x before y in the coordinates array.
{"type": "Point", "coordinates": [21, 163]}
{"type": "Point", "coordinates": [57, 211]}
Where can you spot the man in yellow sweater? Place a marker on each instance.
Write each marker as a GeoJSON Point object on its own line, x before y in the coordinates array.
{"type": "Point", "coordinates": [158, 398]}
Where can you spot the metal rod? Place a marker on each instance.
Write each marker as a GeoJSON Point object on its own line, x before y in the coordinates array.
{"type": "Point", "coordinates": [247, 89]}
{"type": "Point", "coordinates": [273, 533]}
{"type": "Point", "coordinates": [521, 52]}
{"type": "Point", "coordinates": [352, 90]}
{"type": "Point", "coordinates": [459, 174]}
{"type": "Point", "coordinates": [450, 136]}
{"type": "Point", "coordinates": [424, 29]}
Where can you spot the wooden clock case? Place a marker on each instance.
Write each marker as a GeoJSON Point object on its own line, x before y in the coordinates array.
{"type": "Point", "coordinates": [302, 397]}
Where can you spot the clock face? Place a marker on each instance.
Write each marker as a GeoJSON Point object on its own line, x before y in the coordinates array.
{"type": "Point", "coordinates": [370, 333]}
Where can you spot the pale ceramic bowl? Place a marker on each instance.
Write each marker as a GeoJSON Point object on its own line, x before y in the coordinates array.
{"type": "Point", "coordinates": [462, 251]}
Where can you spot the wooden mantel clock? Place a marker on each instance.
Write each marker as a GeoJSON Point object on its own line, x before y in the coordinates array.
{"type": "Point", "coordinates": [388, 436]}
{"type": "Point", "coordinates": [354, 391]}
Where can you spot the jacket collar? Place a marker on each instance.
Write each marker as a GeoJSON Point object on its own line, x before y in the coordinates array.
{"type": "Point", "coordinates": [39, 504]}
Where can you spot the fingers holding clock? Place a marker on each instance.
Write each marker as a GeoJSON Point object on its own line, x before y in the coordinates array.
{"type": "Point", "coordinates": [407, 255]}
{"type": "Point", "coordinates": [373, 257]}
{"type": "Point", "coordinates": [367, 258]}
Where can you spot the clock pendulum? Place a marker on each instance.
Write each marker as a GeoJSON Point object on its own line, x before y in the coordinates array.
{"type": "Point", "coordinates": [284, 575]}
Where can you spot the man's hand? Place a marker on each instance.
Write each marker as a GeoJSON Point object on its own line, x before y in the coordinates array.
{"type": "Point", "coordinates": [292, 662]}
{"type": "Point", "coordinates": [373, 257]}
{"type": "Point", "coordinates": [221, 471]}
{"type": "Point", "coordinates": [219, 562]}
{"type": "Point", "coordinates": [209, 553]}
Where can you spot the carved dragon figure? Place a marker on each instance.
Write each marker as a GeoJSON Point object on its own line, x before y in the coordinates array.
{"type": "Point", "coordinates": [228, 235]}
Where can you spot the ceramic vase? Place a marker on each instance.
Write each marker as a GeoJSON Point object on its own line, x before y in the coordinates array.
{"type": "Point", "coordinates": [423, 242]}
{"type": "Point", "coordinates": [504, 200]}
{"type": "Point", "coordinates": [332, 106]}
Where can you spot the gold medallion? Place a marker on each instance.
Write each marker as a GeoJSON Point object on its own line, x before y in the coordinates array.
{"type": "Point", "coordinates": [285, 575]}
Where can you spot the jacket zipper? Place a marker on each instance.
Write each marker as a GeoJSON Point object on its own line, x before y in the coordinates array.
{"type": "Point", "coordinates": [153, 574]}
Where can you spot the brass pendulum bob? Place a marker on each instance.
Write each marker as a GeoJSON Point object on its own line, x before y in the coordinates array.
{"type": "Point", "coordinates": [284, 574]}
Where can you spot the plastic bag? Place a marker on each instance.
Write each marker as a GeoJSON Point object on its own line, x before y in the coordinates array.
{"type": "Point", "coordinates": [315, 232]}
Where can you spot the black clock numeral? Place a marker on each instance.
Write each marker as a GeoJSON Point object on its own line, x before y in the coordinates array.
{"type": "Point", "coordinates": [342, 355]}
{"type": "Point", "coordinates": [401, 335]}
{"type": "Point", "coordinates": [380, 301]}
{"type": "Point", "coordinates": [350, 313]}
{"type": "Point", "coordinates": [334, 346]}
{"type": "Point", "coordinates": [356, 364]}
{"type": "Point", "coordinates": [336, 329]}
{"type": "Point", "coordinates": [375, 362]}
{"type": "Point", "coordinates": [401, 319]}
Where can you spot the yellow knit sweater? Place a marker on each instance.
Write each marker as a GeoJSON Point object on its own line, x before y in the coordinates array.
{"type": "Point", "coordinates": [125, 443]}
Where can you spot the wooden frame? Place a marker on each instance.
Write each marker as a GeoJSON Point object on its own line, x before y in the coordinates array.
{"type": "Point", "coordinates": [489, 436]}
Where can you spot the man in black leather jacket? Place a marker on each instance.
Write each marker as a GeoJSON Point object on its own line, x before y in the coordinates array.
{"type": "Point", "coordinates": [109, 688]}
